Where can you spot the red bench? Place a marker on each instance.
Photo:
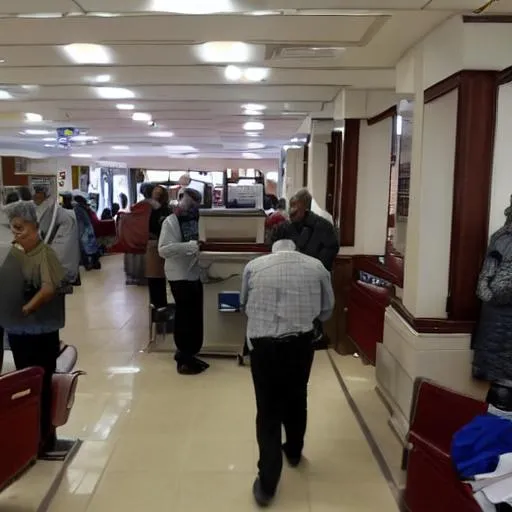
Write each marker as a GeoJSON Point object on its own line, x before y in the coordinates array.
{"type": "Point", "coordinates": [432, 483]}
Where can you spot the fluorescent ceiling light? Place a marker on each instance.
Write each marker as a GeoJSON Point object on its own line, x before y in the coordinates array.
{"type": "Point", "coordinates": [291, 146]}
{"type": "Point", "coordinates": [180, 149]}
{"type": "Point", "coordinates": [142, 116]}
{"type": "Point", "coordinates": [83, 138]}
{"type": "Point", "coordinates": [4, 95]}
{"type": "Point", "coordinates": [84, 53]}
{"type": "Point", "coordinates": [36, 132]}
{"type": "Point", "coordinates": [114, 93]}
{"type": "Point", "coordinates": [80, 155]}
{"type": "Point", "coordinates": [125, 106]}
{"type": "Point", "coordinates": [252, 156]}
{"type": "Point", "coordinates": [41, 15]}
{"type": "Point", "coordinates": [31, 117]}
{"type": "Point", "coordinates": [253, 112]}
{"type": "Point", "coordinates": [161, 134]}
{"type": "Point", "coordinates": [191, 6]}
{"type": "Point", "coordinates": [49, 145]}
{"type": "Point", "coordinates": [101, 79]}
{"type": "Point", "coordinates": [121, 148]}
{"type": "Point", "coordinates": [253, 106]}
{"type": "Point", "coordinates": [253, 126]}
{"type": "Point", "coordinates": [224, 52]}
{"type": "Point", "coordinates": [399, 125]}
{"type": "Point", "coordinates": [49, 139]}
{"type": "Point", "coordinates": [255, 145]}
{"type": "Point", "coordinates": [264, 13]}
{"type": "Point", "coordinates": [103, 14]}
{"type": "Point", "coordinates": [252, 134]}
{"type": "Point", "coordinates": [256, 74]}
{"type": "Point", "coordinates": [233, 73]}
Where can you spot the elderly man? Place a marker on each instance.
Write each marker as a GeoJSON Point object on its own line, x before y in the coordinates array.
{"type": "Point", "coordinates": [283, 294]}
{"type": "Point", "coordinates": [312, 234]}
{"type": "Point", "coordinates": [58, 227]}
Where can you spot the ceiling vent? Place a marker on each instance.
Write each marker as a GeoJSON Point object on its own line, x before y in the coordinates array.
{"type": "Point", "coordinates": [305, 52]}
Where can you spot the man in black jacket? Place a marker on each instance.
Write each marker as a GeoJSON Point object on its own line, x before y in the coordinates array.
{"type": "Point", "coordinates": [313, 235]}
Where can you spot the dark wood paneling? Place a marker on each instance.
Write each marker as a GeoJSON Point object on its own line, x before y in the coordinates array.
{"type": "Point", "coordinates": [349, 182]}
{"type": "Point", "coordinates": [305, 164]}
{"type": "Point", "coordinates": [474, 147]}
{"type": "Point", "coordinates": [337, 140]}
{"type": "Point", "coordinates": [443, 87]}
{"type": "Point", "coordinates": [390, 112]}
{"type": "Point", "coordinates": [9, 168]}
{"type": "Point", "coordinates": [331, 178]}
{"type": "Point", "coordinates": [488, 18]}
{"type": "Point", "coordinates": [432, 325]}
{"type": "Point", "coordinates": [336, 327]}
{"type": "Point", "coordinates": [505, 76]}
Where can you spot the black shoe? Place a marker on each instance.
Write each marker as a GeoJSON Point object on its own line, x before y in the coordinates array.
{"type": "Point", "coordinates": [202, 364]}
{"type": "Point", "coordinates": [260, 496]}
{"type": "Point", "coordinates": [293, 461]}
{"type": "Point", "coordinates": [189, 369]}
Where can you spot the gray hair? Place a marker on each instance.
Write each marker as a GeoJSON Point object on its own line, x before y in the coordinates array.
{"type": "Point", "coordinates": [25, 210]}
{"type": "Point", "coordinates": [285, 245]}
{"type": "Point", "coordinates": [303, 196]}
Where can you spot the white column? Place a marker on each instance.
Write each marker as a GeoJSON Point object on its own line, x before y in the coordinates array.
{"type": "Point", "coordinates": [294, 173]}
{"type": "Point", "coordinates": [321, 131]}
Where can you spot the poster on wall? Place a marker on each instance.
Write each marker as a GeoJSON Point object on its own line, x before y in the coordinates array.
{"type": "Point", "coordinates": [61, 180]}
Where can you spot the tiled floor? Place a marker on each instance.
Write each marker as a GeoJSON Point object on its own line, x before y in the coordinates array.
{"type": "Point", "coordinates": [157, 441]}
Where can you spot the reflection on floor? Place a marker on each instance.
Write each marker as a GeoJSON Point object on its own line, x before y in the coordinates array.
{"type": "Point", "coordinates": [157, 441]}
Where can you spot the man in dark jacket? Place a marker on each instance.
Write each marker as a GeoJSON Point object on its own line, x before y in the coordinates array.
{"type": "Point", "coordinates": [313, 235]}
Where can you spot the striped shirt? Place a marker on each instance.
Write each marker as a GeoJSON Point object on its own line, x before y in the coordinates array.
{"type": "Point", "coordinates": [284, 293]}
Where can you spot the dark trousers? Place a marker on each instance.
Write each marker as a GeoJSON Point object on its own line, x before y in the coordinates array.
{"type": "Point", "coordinates": [280, 371]}
{"type": "Point", "coordinates": [39, 350]}
{"type": "Point", "coordinates": [188, 319]}
{"type": "Point", "coordinates": [157, 292]}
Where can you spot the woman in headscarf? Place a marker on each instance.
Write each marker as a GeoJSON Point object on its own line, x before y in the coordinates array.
{"type": "Point", "coordinates": [155, 272]}
{"type": "Point", "coordinates": [179, 246]}
{"type": "Point", "coordinates": [33, 327]}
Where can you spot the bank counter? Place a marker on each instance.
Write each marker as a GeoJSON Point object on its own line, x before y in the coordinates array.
{"type": "Point", "coordinates": [230, 238]}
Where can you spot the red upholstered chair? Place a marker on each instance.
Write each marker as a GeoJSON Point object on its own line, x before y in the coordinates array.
{"type": "Point", "coordinates": [432, 484]}
{"type": "Point", "coordinates": [20, 394]}
{"type": "Point", "coordinates": [367, 305]}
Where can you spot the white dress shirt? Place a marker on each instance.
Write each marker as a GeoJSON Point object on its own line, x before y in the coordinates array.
{"type": "Point", "coordinates": [283, 293]}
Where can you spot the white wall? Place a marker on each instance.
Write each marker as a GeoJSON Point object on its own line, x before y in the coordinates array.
{"type": "Point", "coordinates": [502, 169]}
{"type": "Point", "coordinates": [427, 264]}
{"type": "Point", "coordinates": [294, 175]}
{"type": "Point", "coordinates": [372, 188]}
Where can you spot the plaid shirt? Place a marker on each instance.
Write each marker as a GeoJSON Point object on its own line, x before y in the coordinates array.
{"type": "Point", "coordinates": [283, 293]}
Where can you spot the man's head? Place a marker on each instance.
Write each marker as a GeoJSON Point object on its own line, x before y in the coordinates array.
{"type": "Point", "coordinates": [23, 222]}
{"type": "Point", "coordinates": [40, 195]}
{"type": "Point", "coordinates": [284, 245]}
{"type": "Point", "coordinates": [190, 199]}
{"type": "Point", "coordinates": [185, 180]}
{"type": "Point", "coordinates": [300, 204]}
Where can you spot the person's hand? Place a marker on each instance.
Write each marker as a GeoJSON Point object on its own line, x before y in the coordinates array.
{"type": "Point", "coordinates": [26, 310]}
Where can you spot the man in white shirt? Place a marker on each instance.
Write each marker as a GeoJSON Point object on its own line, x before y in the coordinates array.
{"type": "Point", "coordinates": [283, 294]}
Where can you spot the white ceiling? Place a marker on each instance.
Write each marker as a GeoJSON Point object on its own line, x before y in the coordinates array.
{"type": "Point", "coordinates": [154, 54]}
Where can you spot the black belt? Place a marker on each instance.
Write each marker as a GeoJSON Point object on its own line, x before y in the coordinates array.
{"type": "Point", "coordinates": [287, 338]}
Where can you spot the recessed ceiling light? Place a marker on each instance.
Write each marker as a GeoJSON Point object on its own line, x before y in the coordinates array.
{"type": "Point", "coordinates": [102, 79]}
{"type": "Point", "coordinates": [254, 126]}
{"type": "Point", "coordinates": [263, 13]}
{"type": "Point", "coordinates": [252, 156]}
{"type": "Point", "coordinates": [255, 145]}
{"type": "Point", "coordinates": [253, 112]}
{"type": "Point", "coordinates": [49, 139]}
{"type": "Point", "coordinates": [253, 106]}
{"type": "Point", "coordinates": [36, 132]}
{"type": "Point", "coordinates": [4, 95]}
{"type": "Point", "coordinates": [224, 52]}
{"type": "Point", "coordinates": [193, 155]}
{"type": "Point", "coordinates": [191, 6]}
{"type": "Point", "coordinates": [161, 134]}
{"type": "Point", "coordinates": [142, 116]}
{"type": "Point", "coordinates": [2, 61]}
{"type": "Point", "coordinates": [256, 74]}
{"type": "Point", "coordinates": [233, 73]}
{"type": "Point", "coordinates": [49, 145]}
{"type": "Point", "coordinates": [103, 14]}
{"type": "Point", "coordinates": [84, 53]}
{"type": "Point", "coordinates": [125, 106]}
{"type": "Point", "coordinates": [121, 148]}
{"type": "Point", "coordinates": [31, 117]}
{"type": "Point", "coordinates": [114, 93]}
{"type": "Point", "coordinates": [80, 155]}
{"type": "Point", "coordinates": [252, 134]}
{"type": "Point", "coordinates": [291, 146]}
